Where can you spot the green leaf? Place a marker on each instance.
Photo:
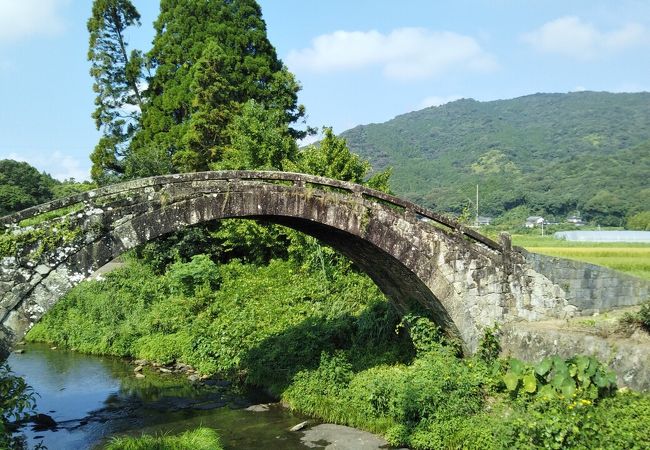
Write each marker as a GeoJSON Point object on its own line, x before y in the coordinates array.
{"type": "Point", "coordinates": [600, 380]}
{"type": "Point", "coordinates": [558, 380]}
{"type": "Point", "coordinates": [568, 387]}
{"type": "Point", "coordinates": [611, 378]}
{"type": "Point", "coordinates": [511, 380]}
{"type": "Point", "coordinates": [530, 383]}
{"type": "Point", "coordinates": [517, 366]}
{"type": "Point", "coordinates": [582, 362]}
{"type": "Point", "coordinates": [544, 366]}
{"type": "Point", "coordinates": [547, 391]}
{"type": "Point", "coordinates": [559, 365]}
{"type": "Point", "coordinates": [573, 370]}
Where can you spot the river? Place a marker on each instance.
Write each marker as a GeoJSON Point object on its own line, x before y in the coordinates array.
{"type": "Point", "coordinates": [94, 398]}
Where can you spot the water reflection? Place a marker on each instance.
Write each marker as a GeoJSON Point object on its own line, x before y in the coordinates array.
{"type": "Point", "coordinates": [93, 398]}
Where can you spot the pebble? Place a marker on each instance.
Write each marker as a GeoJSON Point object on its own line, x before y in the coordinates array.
{"type": "Point", "coordinates": [139, 375]}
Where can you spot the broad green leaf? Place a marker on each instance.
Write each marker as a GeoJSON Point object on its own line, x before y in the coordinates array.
{"type": "Point", "coordinates": [511, 380]}
{"type": "Point", "coordinates": [600, 380]}
{"type": "Point", "coordinates": [517, 366]}
{"type": "Point", "coordinates": [611, 378]}
{"type": "Point", "coordinates": [530, 383]}
{"type": "Point", "coordinates": [558, 380]}
{"type": "Point", "coordinates": [568, 387]}
{"type": "Point", "coordinates": [582, 362]}
{"type": "Point", "coordinates": [544, 366]}
{"type": "Point", "coordinates": [573, 369]}
{"type": "Point", "coordinates": [560, 366]}
{"type": "Point", "coordinates": [547, 391]}
{"type": "Point", "coordinates": [593, 367]}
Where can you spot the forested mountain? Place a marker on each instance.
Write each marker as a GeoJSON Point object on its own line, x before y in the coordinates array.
{"type": "Point", "coordinates": [550, 154]}
{"type": "Point", "coordinates": [22, 186]}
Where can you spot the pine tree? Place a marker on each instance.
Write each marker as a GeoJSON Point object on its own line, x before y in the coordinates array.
{"type": "Point", "coordinates": [117, 76]}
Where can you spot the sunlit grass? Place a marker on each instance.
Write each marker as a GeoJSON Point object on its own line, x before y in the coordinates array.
{"type": "Point", "coordinates": [199, 439]}
{"type": "Point", "coordinates": [630, 258]}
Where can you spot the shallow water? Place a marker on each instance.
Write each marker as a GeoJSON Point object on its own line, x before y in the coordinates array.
{"type": "Point", "coordinates": [93, 398]}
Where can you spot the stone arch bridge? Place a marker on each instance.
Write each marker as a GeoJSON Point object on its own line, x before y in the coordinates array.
{"type": "Point", "coordinates": [466, 280]}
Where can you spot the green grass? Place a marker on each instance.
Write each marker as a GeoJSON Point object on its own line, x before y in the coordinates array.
{"type": "Point", "coordinates": [199, 439]}
{"type": "Point", "coordinates": [630, 258]}
{"type": "Point", "coordinates": [528, 240]}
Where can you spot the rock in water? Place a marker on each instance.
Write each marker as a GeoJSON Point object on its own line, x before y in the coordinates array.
{"type": "Point", "coordinates": [42, 422]}
{"type": "Point", "coordinates": [300, 426]}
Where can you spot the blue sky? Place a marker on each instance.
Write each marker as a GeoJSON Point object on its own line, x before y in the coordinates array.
{"type": "Point", "coordinates": [358, 61]}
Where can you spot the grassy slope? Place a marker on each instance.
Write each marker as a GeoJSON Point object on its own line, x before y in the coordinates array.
{"type": "Point", "coordinates": [554, 151]}
{"type": "Point", "coordinates": [630, 258]}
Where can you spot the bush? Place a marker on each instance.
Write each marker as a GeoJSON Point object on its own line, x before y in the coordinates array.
{"type": "Point", "coordinates": [405, 402]}
{"type": "Point", "coordinates": [618, 422]}
{"type": "Point", "coordinates": [639, 221]}
{"type": "Point", "coordinates": [644, 316]}
{"type": "Point", "coordinates": [16, 402]}
{"type": "Point", "coordinates": [640, 318]}
{"type": "Point", "coordinates": [579, 376]}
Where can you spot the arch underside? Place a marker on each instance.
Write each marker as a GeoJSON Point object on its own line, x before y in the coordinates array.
{"type": "Point", "coordinates": [324, 217]}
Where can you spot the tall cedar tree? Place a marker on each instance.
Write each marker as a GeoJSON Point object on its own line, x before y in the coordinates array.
{"type": "Point", "coordinates": [209, 58]}
{"type": "Point", "coordinates": [117, 75]}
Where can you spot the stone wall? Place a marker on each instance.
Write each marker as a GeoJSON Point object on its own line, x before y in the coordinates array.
{"type": "Point", "coordinates": [588, 287]}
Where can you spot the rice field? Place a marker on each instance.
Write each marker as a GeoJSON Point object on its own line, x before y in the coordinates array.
{"type": "Point", "coordinates": [633, 259]}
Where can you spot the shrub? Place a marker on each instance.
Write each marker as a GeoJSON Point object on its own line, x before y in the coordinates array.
{"type": "Point", "coordinates": [644, 316]}
{"type": "Point", "coordinates": [16, 402]}
{"type": "Point", "coordinates": [581, 376]}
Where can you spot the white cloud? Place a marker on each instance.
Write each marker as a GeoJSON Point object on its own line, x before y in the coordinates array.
{"type": "Point", "coordinates": [404, 53]}
{"type": "Point", "coordinates": [21, 19]}
{"type": "Point", "coordinates": [58, 164]}
{"type": "Point", "coordinates": [436, 100]}
{"type": "Point", "coordinates": [570, 36]}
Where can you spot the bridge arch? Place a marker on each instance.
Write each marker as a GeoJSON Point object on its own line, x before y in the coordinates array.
{"type": "Point", "coordinates": [466, 280]}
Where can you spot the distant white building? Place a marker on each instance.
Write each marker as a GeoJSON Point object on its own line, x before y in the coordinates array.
{"type": "Point", "coordinates": [483, 220]}
{"type": "Point", "coordinates": [534, 221]}
{"type": "Point", "coordinates": [575, 220]}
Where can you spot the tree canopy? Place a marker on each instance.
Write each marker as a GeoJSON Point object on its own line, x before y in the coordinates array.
{"type": "Point", "coordinates": [209, 60]}
{"type": "Point", "coordinates": [22, 186]}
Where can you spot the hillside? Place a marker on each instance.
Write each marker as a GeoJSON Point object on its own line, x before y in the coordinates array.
{"type": "Point", "coordinates": [549, 154]}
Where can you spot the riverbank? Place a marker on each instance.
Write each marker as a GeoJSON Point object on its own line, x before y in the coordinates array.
{"type": "Point", "coordinates": [331, 347]}
{"type": "Point", "coordinates": [90, 399]}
